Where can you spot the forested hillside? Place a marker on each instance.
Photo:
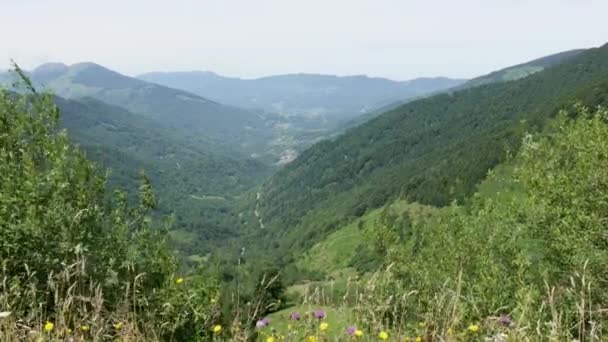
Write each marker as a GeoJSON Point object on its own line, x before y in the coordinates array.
{"type": "Point", "coordinates": [433, 151]}
{"type": "Point", "coordinates": [195, 183]}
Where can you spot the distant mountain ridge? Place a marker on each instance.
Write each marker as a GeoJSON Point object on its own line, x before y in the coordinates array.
{"type": "Point", "coordinates": [334, 97]}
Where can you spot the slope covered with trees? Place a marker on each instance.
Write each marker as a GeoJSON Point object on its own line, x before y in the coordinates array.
{"type": "Point", "coordinates": [431, 151]}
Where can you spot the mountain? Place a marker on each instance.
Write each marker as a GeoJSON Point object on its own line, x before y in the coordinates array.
{"type": "Point", "coordinates": [192, 115]}
{"type": "Point", "coordinates": [331, 97]}
{"type": "Point", "coordinates": [432, 151]}
{"type": "Point", "coordinates": [511, 73]}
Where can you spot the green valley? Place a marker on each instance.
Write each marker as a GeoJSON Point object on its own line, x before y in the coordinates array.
{"type": "Point", "coordinates": [376, 171]}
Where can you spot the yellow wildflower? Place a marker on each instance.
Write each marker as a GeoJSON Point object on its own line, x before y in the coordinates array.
{"type": "Point", "coordinates": [85, 328]}
{"type": "Point", "coordinates": [358, 333]}
{"type": "Point", "coordinates": [422, 324]}
{"type": "Point", "coordinates": [311, 338]}
{"type": "Point", "coordinates": [270, 339]}
{"type": "Point", "coordinates": [418, 339]}
{"type": "Point", "coordinates": [473, 328]}
{"type": "Point", "coordinates": [118, 326]}
{"type": "Point", "coordinates": [217, 329]}
{"type": "Point", "coordinates": [179, 280]}
{"type": "Point", "coordinates": [69, 331]}
{"type": "Point", "coordinates": [383, 335]}
{"type": "Point", "coordinates": [48, 326]}
{"type": "Point", "coordinates": [323, 326]}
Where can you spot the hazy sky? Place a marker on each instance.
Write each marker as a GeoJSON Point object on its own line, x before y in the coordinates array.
{"type": "Point", "coordinates": [399, 39]}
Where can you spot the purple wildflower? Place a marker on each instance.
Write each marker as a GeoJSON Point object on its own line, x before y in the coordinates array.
{"type": "Point", "coordinates": [505, 320]}
{"type": "Point", "coordinates": [350, 331]}
{"type": "Point", "coordinates": [295, 316]}
{"type": "Point", "coordinates": [262, 323]}
{"type": "Point", "coordinates": [320, 314]}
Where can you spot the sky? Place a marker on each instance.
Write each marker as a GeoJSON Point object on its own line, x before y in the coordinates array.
{"type": "Point", "coordinates": [397, 39]}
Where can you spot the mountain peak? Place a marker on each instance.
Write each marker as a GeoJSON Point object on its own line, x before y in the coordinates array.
{"type": "Point", "coordinates": [49, 71]}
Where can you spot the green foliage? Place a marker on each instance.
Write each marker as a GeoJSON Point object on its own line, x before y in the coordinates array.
{"type": "Point", "coordinates": [73, 254]}
{"type": "Point", "coordinates": [533, 248]}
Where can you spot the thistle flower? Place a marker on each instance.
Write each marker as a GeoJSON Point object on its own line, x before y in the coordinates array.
{"type": "Point", "coordinates": [383, 335]}
{"type": "Point", "coordinates": [323, 326]}
{"type": "Point", "coordinates": [262, 323]}
{"type": "Point", "coordinates": [505, 320]}
{"type": "Point", "coordinates": [295, 316]}
{"type": "Point", "coordinates": [217, 329]}
{"type": "Point", "coordinates": [320, 314]}
{"type": "Point", "coordinates": [48, 327]}
{"type": "Point", "coordinates": [350, 331]}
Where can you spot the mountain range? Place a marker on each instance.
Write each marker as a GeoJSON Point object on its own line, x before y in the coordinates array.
{"type": "Point", "coordinates": [331, 97]}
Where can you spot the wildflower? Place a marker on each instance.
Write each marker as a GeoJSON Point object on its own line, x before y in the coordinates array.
{"type": "Point", "coordinates": [270, 339]}
{"type": "Point", "coordinates": [473, 328]}
{"type": "Point", "coordinates": [383, 335]}
{"type": "Point", "coordinates": [217, 329]}
{"type": "Point", "coordinates": [320, 314]}
{"type": "Point", "coordinates": [69, 331]}
{"type": "Point", "coordinates": [289, 327]}
{"type": "Point", "coordinates": [262, 323]}
{"type": "Point", "coordinates": [450, 332]}
{"type": "Point", "coordinates": [118, 326]}
{"type": "Point", "coordinates": [179, 280]}
{"type": "Point", "coordinates": [350, 331]}
{"type": "Point", "coordinates": [311, 338]}
{"type": "Point", "coordinates": [213, 300]}
{"type": "Point", "coordinates": [418, 339]}
{"type": "Point", "coordinates": [358, 333]}
{"type": "Point", "coordinates": [505, 320]}
{"type": "Point", "coordinates": [323, 326]}
{"type": "Point", "coordinates": [85, 328]}
{"type": "Point", "coordinates": [48, 326]}
{"type": "Point", "coordinates": [295, 316]}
